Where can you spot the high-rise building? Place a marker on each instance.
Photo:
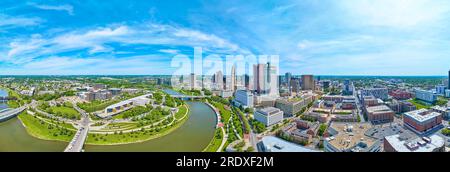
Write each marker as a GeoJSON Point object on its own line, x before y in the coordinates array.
{"type": "Point", "coordinates": [288, 77]}
{"type": "Point", "coordinates": [193, 80]}
{"type": "Point", "coordinates": [348, 87]}
{"type": "Point", "coordinates": [448, 84]}
{"type": "Point", "coordinates": [233, 78]}
{"type": "Point", "coordinates": [218, 80]}
{"type": "Point", "coordinates": [308, 82]}
{"type": "Point", "coordinates": [440, 89]}
{"type": "Point", "coordinates": [258, 75]}
{"type": "Point", "coordinates": [265, 79]}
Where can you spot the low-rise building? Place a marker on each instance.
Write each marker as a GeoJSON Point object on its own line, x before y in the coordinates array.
{"type": "Point", "coordinates": [427, 96]}
{"type": "Point", "coordinates": [401, 94]}
{"type": "Point", "coordinates": [290, 107]}
{"type": "Point", "coordinates": [422, 121]}
{"type": "Point", "coordinates": [274, 144]}
{"type": "Point", "coordinates": [380, 114]}
{"type": "Point", "coordinates": [269, 116]}
{"type": "Point", "coordinates": [379, 93]}
{"type": "Point", "coordinates": [244, 98]}
{"type": "Point", "coordinates": [350, 137]}
{"type": "Point", "coordinates": [370, 101]}
{"type": "Point", "coordinates": [300, 131]}
{"type": "Point", "coordinates": [412, 143]}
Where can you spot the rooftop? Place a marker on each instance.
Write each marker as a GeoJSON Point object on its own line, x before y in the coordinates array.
{"type": "Point", "coordinates": [422, 114]}
{"type": "Point", "coordinates": [402, 143]}
{"type": "Point", "coordinates": [350, 135]}
{"type": "Point", "coordinates": [380, 108]}
{"type": "Point", "coordinates": [269, 110]}
{"type": "Point", "coordinates": [275, 144]}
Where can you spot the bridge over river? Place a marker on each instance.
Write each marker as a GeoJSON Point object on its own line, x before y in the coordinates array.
{"type": "Point", "coordinates": [77, 143]}
{"type": "Point", "coordinates": [10, 113]}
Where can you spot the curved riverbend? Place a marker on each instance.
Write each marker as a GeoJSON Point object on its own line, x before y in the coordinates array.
{"type": "Point", "coordinates": [193, 136]}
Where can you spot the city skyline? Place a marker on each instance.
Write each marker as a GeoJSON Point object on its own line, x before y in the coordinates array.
{"type": "Point", "coordinates": [401, 38]}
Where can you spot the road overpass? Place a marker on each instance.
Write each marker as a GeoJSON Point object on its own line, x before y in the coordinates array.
{"type": "Point", "coordinates": [77, 143]}
{"type": "Point", "coordinates": [8, 114]}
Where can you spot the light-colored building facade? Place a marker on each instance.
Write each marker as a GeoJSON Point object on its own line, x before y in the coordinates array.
{"type": "Point", "coordinates": [269, 116]}
{"type": "Point", "coordinates": [427, 96]}
{"type": "Point", "coordinates": [380, 93]}
{"type": "Point", "coordinates": [244, 98]}
{"type": "Point", "coordinates": [292, 106]}
{"type": "Point", "coordinates": [350, 137]}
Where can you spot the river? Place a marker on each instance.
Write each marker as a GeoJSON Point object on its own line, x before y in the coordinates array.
{"type": "Point", "coordinates": [193, 136]}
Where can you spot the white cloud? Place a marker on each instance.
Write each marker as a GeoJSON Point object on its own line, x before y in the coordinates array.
{"type": "Point", "coordinates": [169, 51]}
{"type": "Point", "coordinates": [66, 8]}
{"type": "Point", "coordinates": [99, 39]}
{"type": "Point", "coordinates": [9, 21]}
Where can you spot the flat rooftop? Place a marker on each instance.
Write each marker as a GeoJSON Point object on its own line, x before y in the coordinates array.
{"type": "Point", "coordinates": [350, 135]}
{"type": "Point", "coordinates": [422, 115]}
{"type": "Point", "coordinates": [402, 143]}
{"type": "Point", "coordinates": [381, 108]}
{"type": "Point", "coordinates": [269, 110]}
{"type": "Point", "coordinates": [275, 144]}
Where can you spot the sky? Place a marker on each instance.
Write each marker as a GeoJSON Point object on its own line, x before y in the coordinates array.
{"type": "Point", "coordinates": [320, 37]}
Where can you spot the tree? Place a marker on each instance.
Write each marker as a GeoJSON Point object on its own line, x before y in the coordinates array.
{"type": "Point", "coordinates": [322, 129]}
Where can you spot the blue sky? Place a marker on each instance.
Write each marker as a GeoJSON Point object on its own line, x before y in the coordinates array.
{"type": "Point", "coordinates": [322, 37]}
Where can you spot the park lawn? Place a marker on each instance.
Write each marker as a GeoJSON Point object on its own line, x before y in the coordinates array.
{"type": "Point", "coordinates": [43, 130]}
{"type": "Point", "coordinates": [419, 104]}
{"type": "Point", "coordinates": [65, 112]}
{"type": "Point", "coordinates": [215, 142]}
{"type": "Point", "coordinates": [119, 126]}
{"type": "Point", "coordinates": [133, 137]}
{"type": "Point", "coordinates": [13, 104]}
{"type": "Point", "coordinates": [96, 105]}
{"type": "Point", "coordinates": [224, 113]}
{"type": "Point", "coordinates": [181, 112]}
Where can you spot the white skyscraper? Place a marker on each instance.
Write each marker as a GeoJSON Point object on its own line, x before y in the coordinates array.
{"type": "Point", "coordinates": [233, 78]}
{"type": "Point", "coordinates": [218, 80]}
{"type": "Point", "coordinates": [265, 79]}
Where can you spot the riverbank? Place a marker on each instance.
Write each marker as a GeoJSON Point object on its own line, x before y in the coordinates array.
{"type": "Point", "coordinates": [218, 140]}
{"type": "Point", "coordinates": [137, 136]}
{"type": "Point", "coordinates": [46, 130]}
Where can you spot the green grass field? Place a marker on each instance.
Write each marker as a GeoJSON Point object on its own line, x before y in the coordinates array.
{"type": "Point", "coordinates": [41, 129]}
{"type": "Point", "coordinates": [214, 144]}
{"type": "Point", "coordinates": [181, 112]}
{"type": "Point", "coordinates": [419, 104]}
{"type": "Point", "coordinates": [65, 112]}
{"type": "Point", "coordinates": [133, 137]}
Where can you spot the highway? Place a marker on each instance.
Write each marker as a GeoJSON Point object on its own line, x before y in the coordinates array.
{"type": "Point", "coordinates": [77, 143]}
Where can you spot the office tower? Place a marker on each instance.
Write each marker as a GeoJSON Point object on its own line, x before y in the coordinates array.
{"type": "Point", "coordinates": [247, 82]}
{"type": "Point", "coordinates": [193, 81]}
{"type": "Point", "coordinates": [218, 80]}
{"type": "Point", "coordinates": [308, 82]}
{"type": "Point", "coordinates": [288, 77]}
{"type": "Point", "coordinates": [233, 78]}
{"type": "Point", "coordinates": [348, 87]}
{"type": "Point", "coordinates": [272, 73]}
{"type": "Point", "coordinates": [265, 79]}
{"type": "Point", "coordinates": [448, 84]}
{"type": "Point", "coordinates": [258, 78]}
